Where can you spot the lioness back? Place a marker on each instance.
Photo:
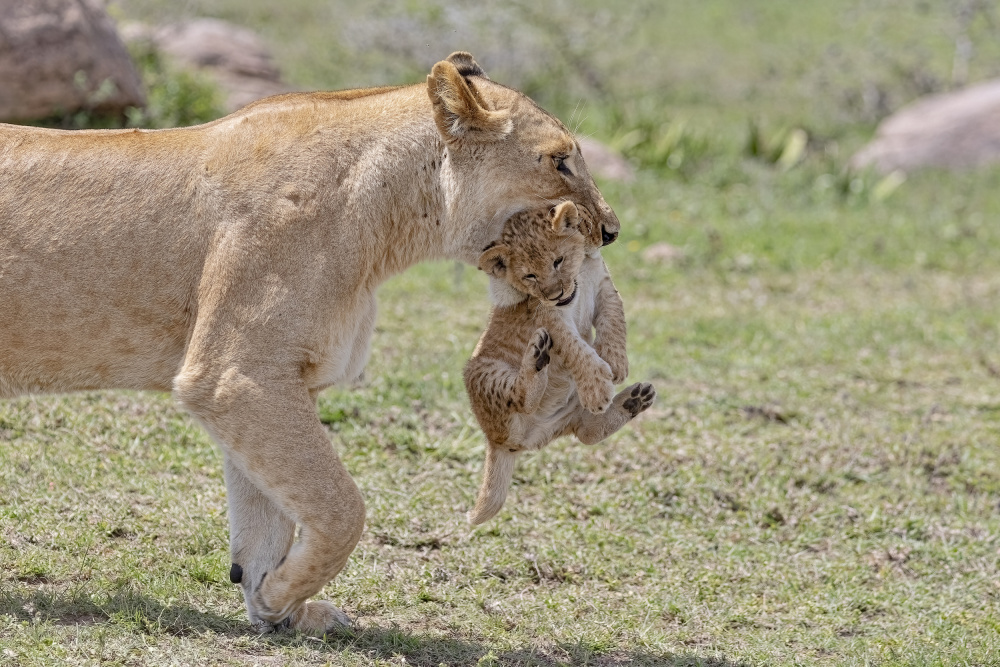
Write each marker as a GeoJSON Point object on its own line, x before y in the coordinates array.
{"type": "Point", "coordinates": [105, 235]}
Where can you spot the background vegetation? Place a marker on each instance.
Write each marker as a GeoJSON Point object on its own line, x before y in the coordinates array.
{"type": "Point", "coordinates": [818, 483]}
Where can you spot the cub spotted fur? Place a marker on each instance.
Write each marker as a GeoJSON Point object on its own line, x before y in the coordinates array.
{"type": "Point", "coordinates": [536, 373]}
{"type": "Point", "coordinates": [236, 264]}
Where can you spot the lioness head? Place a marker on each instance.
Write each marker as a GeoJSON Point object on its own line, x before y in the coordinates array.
{"type": "Point", "coordinates": [505, 154]}
{"type": "Point", "coordinates": [540, 253]}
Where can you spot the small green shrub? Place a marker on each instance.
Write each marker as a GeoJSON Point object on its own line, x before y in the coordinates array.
{"type": "Point", "coordinates": [176, 97]}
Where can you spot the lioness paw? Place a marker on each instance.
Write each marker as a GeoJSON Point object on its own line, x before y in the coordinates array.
{"type": "Point", "coordinates": [640, 397]}
{"type": "Point", "coordinates": [318, 618]}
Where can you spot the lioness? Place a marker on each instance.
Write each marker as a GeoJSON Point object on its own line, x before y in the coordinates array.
{"type": "Point", "coordinates": [535, 374]}
{"type": "Point", "coordinates": [236, 263]}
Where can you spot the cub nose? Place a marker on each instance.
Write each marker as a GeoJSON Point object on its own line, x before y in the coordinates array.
{"type": "Point", "coordinates": [607, 238]}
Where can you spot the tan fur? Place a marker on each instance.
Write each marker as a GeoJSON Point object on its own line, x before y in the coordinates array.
{"type": "Point", "coordinates": [235, 263]}
{"type": "Point", "coordinates": [536, 373]}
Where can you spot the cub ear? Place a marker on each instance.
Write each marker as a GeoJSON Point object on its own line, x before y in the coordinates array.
{"type": "Point", "coordinates": [459, 110]}
{"type": "Point", "coordinates": [566, 218]}
{"type": "Point", "coordinates": [494, 261]}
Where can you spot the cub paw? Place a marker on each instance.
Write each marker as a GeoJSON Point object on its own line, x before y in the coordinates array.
{"type": "Point", "coordinates": [597, 392]}
{"type": "Point", "coordinates": [539, 348]}
{"type": "Point", "coordinates": [640, 397]}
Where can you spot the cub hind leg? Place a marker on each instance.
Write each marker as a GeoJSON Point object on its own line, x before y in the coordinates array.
{"type": "Point", "coordinates": [629, 402]}
{"type": "Point", "coordinates": [523, 390]}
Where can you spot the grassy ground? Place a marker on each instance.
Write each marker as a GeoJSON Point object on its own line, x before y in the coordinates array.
{"type": "Point", "coordinates": [818, 483]}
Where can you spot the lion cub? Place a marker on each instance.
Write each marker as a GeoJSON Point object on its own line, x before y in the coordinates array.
{"type": "Point", "coordinates": [538, 371]}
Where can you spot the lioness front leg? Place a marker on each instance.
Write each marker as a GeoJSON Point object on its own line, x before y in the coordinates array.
{"type": "Point", "coordinates": [260, 535]}
{"type": "Point", "coordinates": [629, 402]}
{"type": "Point", "coordinates": [268, 429]}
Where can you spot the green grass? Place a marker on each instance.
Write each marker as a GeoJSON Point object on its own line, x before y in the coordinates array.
{"type": "Point", "coordinates": [817, 484]}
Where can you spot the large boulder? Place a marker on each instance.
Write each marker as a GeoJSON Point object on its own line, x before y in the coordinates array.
{"type": "Point", "coordinates": [953, 130]}
{"type": "Point", "coordinates": [232, 56]}
{"type": "Point", "coordinates": [61, 56]}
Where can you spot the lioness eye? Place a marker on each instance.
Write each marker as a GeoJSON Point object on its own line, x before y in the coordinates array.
{"type": "Point", "coordinates": [560, 163]}
{"type": "Point", "coordinates": [556, 263]}
{"type": "Point", "coordinates": [530, 276]}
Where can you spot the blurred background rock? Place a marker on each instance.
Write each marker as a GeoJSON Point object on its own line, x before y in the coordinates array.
{"type": "Point", "coordinates": [58, 57]}
{"type": "Point", "coordinates": [673, 87]}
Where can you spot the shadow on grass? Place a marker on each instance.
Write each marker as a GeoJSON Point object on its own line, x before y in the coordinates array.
{"type": "Point", "coordinates": [133, 612]}
{"type": "Point", "coordinates": [430, 651]}
{"type": "Point", "coordinates": [125, 608]}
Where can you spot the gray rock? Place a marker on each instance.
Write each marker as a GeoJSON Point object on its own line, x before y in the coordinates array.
{"type": "Point", "coordinates": [603, 162]}
{"type": "Point", "coordinates": [663, 253]}
{"type": "Point", "coordinates": [233, 56]}
{"type": "Point", "coordinates": [953, 130]}
{"type": "Point", "coordinates": [61, 56]}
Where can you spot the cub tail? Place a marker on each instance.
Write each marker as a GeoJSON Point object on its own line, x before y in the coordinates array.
{"type": "Point", "coordinates": [497, 475]}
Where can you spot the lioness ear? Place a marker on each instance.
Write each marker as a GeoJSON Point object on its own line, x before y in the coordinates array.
{"type": "Point", "coordinates": [494, 261]}
{"type": "Point", "coordinates": [466, 64]}
{"type": "Point", "coordinates": [566, 219]}
{"type": "Point", "coordinates": [459, 110]}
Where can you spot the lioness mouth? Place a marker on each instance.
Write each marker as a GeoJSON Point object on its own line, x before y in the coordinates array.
{"type": "Point", "coordinates": [568, 300]}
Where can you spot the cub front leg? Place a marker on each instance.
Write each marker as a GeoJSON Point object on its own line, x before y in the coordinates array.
{"type": "Point", "coordinates": [283, 470]}
{"type": "Point", "coordinates": [534, 374]}
{"type": "Point", "coordinates": [629, 402]}
{"type": "Point", "coordinates": [592, 374]}
{"type": "Point", "coordinates": [610, 329]}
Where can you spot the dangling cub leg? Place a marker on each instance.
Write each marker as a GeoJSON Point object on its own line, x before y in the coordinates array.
{"type": "Point", "coordinates": [629, 402]}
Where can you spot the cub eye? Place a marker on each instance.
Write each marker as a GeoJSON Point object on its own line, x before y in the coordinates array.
{"type": "Point", "coordinates": [556, 263]}
{"type": "Point", "coordinates": [530, 276]}
{"type": "Point", "coordinates": [560, 163]}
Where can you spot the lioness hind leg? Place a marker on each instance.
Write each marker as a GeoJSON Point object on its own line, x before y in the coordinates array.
{"type": "Point", "coordinates": [629, 402]}
{"type": "Point", "coordinates": [269, 431]}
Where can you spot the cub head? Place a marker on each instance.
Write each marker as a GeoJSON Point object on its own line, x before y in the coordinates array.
{"type": "Point", "coordinates": [504, 154]}
{"type": "Point", "coordinates": [539, 254]}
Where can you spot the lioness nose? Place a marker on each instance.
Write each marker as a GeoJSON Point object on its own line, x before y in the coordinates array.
{"type": "Point", "coordinates": [607, 238]}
